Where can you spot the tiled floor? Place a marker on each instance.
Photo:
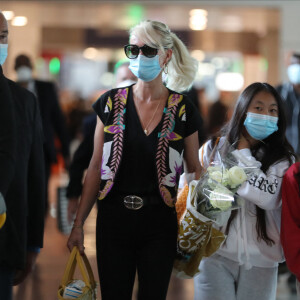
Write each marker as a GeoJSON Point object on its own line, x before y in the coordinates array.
{"type": "Point", "coordinates": [44, 282]}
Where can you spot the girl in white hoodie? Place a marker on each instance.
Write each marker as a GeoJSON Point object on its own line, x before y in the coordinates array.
{"type": "Point", "coordinates": [245, 267]}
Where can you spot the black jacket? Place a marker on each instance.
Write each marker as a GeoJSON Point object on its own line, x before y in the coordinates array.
{"type": "Point", "coordinates": [292, 110]}
{"type": "Point", "coordinates": [7, 135]}
{"type": "Point", "coordinates": [53, 120]}
{"type": "Point", "coordinates": [25, 200]}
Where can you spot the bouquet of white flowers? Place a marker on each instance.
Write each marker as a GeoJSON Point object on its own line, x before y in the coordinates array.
{"type": "Point", "coordinates": [216, 191]}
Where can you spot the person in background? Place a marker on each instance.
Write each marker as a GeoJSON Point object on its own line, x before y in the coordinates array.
{"type": "Point", "coordinates": [290, 92]}
{"type": "Point", "coordinates": [52, 117]}
{"type": "Point", "coordinates": [245, 267]}
{"type": "Point", "coordinates": [83, 154]}
{"type": "Point", "coordinates": [8, 131]}
{"type": "Point", "coordinates": [21, 237]}
{"type": "Point", "coordinates": [144, 132]}
{"type": "Point", "coordinates": [8, 137]}
{"type": "Point", "coordinates": [290, 221]}
{"type": "Point", "coordinates": [122, 74]}
{"type": "Point", "coordinates": [220, 112]}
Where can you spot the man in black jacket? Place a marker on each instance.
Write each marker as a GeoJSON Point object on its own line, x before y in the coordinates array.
{"type": "Point", "coordinates": [7, 133]}
{"type": "Point", "coordinates": [21, 237]}
{"type": "Point", "coordinates": [52, 117]}
{"type": "Point", "coordinates": [290, 92]}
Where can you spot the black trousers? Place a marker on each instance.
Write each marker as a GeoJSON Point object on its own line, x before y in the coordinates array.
{"type": "Point", "coordinates": [130, 241]}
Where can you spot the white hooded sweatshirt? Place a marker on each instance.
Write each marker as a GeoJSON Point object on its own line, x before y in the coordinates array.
{"type": "Point", "coordinates": [263, 190]}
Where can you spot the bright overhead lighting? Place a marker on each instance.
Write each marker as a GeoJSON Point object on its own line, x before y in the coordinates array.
{"type": "Point", "coordinates": [206, 69]}
{"type": "Point", "coordinates": [197, 12]}
{"type": "Point", "coordinates": [198, 54]}
{"type": "Point", "coordinates": [8, 14]}
{"type": "Point", "coordinates": [231, 82]}
{"type": "Point", "coordinates": [19, 21]}
{"type": "Point", "coordinates": [198, 19]}
{"type": "Point", "coordinates": [90, 53]}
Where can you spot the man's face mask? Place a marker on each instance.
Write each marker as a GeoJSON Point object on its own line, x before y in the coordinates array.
{"type": "Point", "coordinates": [260, 126]}
{"type": "Point", "coordinates": [293, 72]}
{"type": "Point", "coordinates": [3, 53]}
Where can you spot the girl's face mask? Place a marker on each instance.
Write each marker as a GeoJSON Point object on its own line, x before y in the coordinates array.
{"type": "Point", "coordinates": [260, 126]}
{"type": "Point", "coordinates": [145, 68]}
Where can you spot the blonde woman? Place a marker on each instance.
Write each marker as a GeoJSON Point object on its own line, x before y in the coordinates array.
{"type": "Point", "coordinates": [144, 133]}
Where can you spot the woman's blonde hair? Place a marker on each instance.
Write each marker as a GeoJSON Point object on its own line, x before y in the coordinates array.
{"type": "Point", "coordinates": [181, 69]}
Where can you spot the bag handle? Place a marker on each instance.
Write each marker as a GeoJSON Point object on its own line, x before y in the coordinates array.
{"type": "Point", "coordinates": [86, 270]}
{"type": "Point", "coordinates": [84, 266]}
{"type": "Point", "coordinates": [70, 268]}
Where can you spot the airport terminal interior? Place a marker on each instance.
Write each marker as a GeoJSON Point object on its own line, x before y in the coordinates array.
{"type": "Point", "coordinates": [77, 44]}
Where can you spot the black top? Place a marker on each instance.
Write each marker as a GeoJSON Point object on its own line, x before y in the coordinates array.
{"type": "Point", "coordinates": [137, 174]}
{"type": "Point", "coordinates": [192, 94]}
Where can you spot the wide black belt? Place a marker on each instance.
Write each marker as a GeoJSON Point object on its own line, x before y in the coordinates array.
{"type": "Point", "coordinates": [135, 202]}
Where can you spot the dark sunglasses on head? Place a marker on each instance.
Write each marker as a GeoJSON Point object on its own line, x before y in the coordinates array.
{"type": "Point", "coordinates": [132, 51]}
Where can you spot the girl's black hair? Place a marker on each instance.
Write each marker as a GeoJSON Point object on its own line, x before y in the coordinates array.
{"type": "Point", "coordinates": [275, 147]}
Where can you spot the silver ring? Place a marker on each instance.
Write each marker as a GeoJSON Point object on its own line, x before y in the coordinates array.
{"type": "Point", "coordinates": [133, 202]}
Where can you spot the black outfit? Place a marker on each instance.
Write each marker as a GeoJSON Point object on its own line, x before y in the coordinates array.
{"type": "Point", "coordinates": [146, 239]}
{"type": "Point", "coordinates": [7, 135]}
{"type": "Point", "coordinates": [24, 226]}
{"type": "Point", "coordinates": [82, 157]}
{"type": "Point", "coordinates": [53, 120]}
{"type": "Point", "coordinates": [53, 125]}
{"type": "Point", "coordinates": [292, 108]}
{"type": "Point", "coordinates": [192, 94]}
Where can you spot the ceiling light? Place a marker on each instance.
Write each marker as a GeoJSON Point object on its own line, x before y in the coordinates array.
{"type": "Point", "coordinates": [198, 54]}
{"type": "Point", "coordinates": [19, 21]}
{"type": "Point", "coordinates": [231, 82]}
{"type": "Point", "coordinates": [90, 53]}
{"type": "Point", "coordinates": [198, 19]}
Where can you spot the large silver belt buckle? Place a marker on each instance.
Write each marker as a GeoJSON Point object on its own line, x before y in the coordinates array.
{"type": "Point", "coordinates": [133, 202]}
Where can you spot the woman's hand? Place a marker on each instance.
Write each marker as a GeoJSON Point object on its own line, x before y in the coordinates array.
{"type": "Point", "coordinates": [76, 238]}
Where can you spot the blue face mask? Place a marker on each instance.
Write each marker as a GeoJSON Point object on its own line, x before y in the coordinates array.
{"type": "Point", "coordinates": [145, 68]}
{"type": "Point", "coordinates": [293, 72]}
{"type": "Point", "coordinates": [260, 126]}
{"type": "Point", "coordinates": [3, 53]}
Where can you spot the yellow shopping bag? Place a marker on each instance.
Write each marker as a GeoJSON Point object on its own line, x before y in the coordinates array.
{"type": "Point", "coordinates": [86, 292]}
{"type": "Point", "coordinates": [197, 238]}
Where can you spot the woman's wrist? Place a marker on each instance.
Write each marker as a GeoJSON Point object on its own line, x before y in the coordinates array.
{"type": "Point", "coordinates": [77, 226]}
{"type": "Point", "coordinates": [78, 223]}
